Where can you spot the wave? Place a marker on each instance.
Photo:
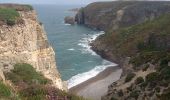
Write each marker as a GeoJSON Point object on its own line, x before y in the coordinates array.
{"type": "Point", "coordinates": [71, 49]}
{"type": "Point", "coordinates": [79, 78]}
{"type": "Point", "coordinates": [84, 43]}
{"type": "Point", "coordinates": [66, 24]}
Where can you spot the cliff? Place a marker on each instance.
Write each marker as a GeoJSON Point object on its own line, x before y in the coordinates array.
{"type": "Point", "coordinates": [118, 14]}
{"type": "Point", "coordinates": [137, 38]}
{"type": "Point", "coordinates": [26, 42]}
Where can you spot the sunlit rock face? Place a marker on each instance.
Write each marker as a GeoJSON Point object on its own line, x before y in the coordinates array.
{"type": "Point", "coordinates": [27, 43]}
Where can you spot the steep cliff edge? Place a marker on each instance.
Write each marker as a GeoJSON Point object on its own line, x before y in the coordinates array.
{"type": "Point", "coordinates": [137, 38]}
{"type": "Point", "coordinates": [118, 14]}
{"type": "Point", "coordinates": [26, 42]}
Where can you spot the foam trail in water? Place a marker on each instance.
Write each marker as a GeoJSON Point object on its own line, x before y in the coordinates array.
{"type": "Point", "coordinates": [79, 78]}
{"type": "Point", "coordinates": [84, 43]}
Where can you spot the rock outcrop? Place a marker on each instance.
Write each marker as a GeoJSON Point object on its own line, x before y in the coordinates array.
{"type": "Point", "coordinates": [27, 43]}
{"type": "Point", "coordinates": [69, 20]}
{"type": "Point", "coordinates": [118, 14]}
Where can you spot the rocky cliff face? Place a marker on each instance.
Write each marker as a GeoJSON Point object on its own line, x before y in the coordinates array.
{"type": "Point", "coordinates": [114, 15]}
{"type": "Point", "coordinates": [27, 42]}
{"type": "Point", "coordinates": [137, 38]}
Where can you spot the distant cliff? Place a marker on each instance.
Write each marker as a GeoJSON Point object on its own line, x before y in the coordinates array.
{"type": "Point", "coordinates": [118, 14]}
{"type": "Point", "coordinates": [138, 39]}
{"type": "Point", "coordinates": [23, 40]}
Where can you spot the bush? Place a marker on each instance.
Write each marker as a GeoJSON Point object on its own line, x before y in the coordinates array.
{"type": "Point", "coordinates": [25, 73]}
{"type": "Point", "coordinates": [9, 16]}
{"type": "Point", "coordinates": [152, 77]}
{"type": "Point", "coordinates": [139, 80]}
{"type": "Point", "coordinates": [120, 93]}
{"type": "Point", "coordinates": [134, 94]}
{"type": "Point", "coordinates": [145, 67]}
{"type": "Point", "coordinates": [129, 77]}
{"type": "Point", "coordinates": [4, 90]}
{"type": "Point", "coordinates": [113, 98]}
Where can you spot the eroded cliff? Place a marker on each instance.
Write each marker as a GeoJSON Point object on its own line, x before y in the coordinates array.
{"type": "Point", "coordinates": [26, 42]}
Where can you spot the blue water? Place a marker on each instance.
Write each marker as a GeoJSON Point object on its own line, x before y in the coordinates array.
{"type": "Point", "coordinates": [75, 61]}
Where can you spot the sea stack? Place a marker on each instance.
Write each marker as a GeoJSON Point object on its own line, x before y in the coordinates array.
{"type": "Point", "coordinates": [69, 20]}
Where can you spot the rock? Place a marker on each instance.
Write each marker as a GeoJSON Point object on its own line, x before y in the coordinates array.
{"type": "Point", "coordinates": [27, 43]}
{"type": "Point", "coordinates": [119, 14]}
{"type": "Point", "coordinates": [69, 20]}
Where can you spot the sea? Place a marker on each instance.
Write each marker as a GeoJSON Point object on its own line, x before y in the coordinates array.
{"type": "Point", "coordinates": [75, 60]}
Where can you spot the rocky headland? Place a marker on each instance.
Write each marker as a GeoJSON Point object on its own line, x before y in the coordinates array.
{"type": "Point", "coordinates": [28, 68]}
{"type": "Point", "coordinates": [137, 38]}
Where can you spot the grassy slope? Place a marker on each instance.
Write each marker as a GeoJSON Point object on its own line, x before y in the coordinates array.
{"type": "Point", "coordinates": [31, 85]}
{"type": "Point", "coordinates": [135, 41]}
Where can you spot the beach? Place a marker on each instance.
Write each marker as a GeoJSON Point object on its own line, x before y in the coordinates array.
{"type": "Point", "coordinates": [97, 86]}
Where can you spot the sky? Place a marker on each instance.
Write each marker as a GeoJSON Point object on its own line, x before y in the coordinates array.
{"type": "Point", "coordinates": [59, 2]}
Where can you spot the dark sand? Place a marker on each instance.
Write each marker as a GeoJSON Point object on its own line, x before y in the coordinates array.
{"type": "Point", "coordinates": [97, 86]}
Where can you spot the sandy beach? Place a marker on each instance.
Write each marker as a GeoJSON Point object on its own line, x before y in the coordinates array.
{"type": "Point", "coordinates": [97, 86]}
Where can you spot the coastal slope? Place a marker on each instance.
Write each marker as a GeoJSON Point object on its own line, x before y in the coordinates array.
{"type": "Point", "coordinates": [137, 38]}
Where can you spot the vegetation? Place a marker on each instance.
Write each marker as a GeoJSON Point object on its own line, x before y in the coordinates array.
{"type": "Point", "coordinates": [139, 80]}
{"type": "Point", "coordinates": [32, 85]}
{"type": "Point", "coordinates": [4, 90]}
{"type": "Point", "coordinates": [8, 15]}
{"type": "Point", "coordinates": [129, 77]}
{"type": "Point", "coordinates": [27, 74]}
{"type": "Point", "coordinates": [134, 94]}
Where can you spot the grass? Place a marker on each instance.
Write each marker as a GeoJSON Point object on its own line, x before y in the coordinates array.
{"type": "Point", "coordinates": [138, 38]}
{"type": "Point", "coordinates": [9, 16]}
{"type": "Point", "coordinates": [32, 85]}
{"type": "Point", "coordinates": [27, 74]}
{"type": "Point", "coordinates": [4, 90]}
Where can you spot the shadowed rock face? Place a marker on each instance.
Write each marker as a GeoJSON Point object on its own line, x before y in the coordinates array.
{"type": "Point", "coordinates": [69, 20]}
{"type": "Point", "coordinates": [114, 15]}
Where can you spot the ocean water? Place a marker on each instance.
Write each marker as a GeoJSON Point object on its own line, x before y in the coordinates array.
{"type": "Point", "coordinates": [75, 60]}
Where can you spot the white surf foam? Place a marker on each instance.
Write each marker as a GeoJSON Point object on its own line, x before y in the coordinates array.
{"type": "Point", "coordinates": [67, 24]}
{"type": "Point", "coordinates": [84, 43]}
{"type": "Point", "coordinates": [79, 78]}
{"type": "Point", "coordinates": [71, 49]}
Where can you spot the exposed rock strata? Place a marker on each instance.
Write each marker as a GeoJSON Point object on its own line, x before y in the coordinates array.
{"type": "Point", "coordinates": [114, 15]}
{"type": "Point", "coordinates": [28, 43]}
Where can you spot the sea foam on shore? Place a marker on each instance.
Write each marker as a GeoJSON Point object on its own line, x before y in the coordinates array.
{"type": "Point", "coordinates": [86, 48]}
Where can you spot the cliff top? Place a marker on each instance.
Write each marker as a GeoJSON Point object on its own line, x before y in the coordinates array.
{"type": "Point", "coordinates": [9, 13]}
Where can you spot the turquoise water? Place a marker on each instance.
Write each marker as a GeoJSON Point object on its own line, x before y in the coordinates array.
{"type": "Point", "coordinates": [75, 61]}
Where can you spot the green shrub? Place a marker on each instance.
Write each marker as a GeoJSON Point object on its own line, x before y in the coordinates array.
{"type": "Point", "coordinates": [143, 85]}
{"type": "Point", "coordinates": [25, 73]}
{"type": "Point", "coordinates": [139, 80]}
{"type": "Point", "coordinates": [157, 89]}
{"type": "Point", "coordinates": [145, 67]}
{"type": "Point", "coordinates": [134, 94]}
{"type": "Point", "coordinates": [29, 7]}
{"type": "Point", "coordinates": [120, 93]}
{"type": "Point", "coordinates": [9, 16]}
{"type": "Point", "coordinates": [4, 90]}
{"type": "Point", "coordinates": [152, 77]}
{"type": "Point", "coordinates": [129, 77]}
{"type": "Point", "coordinates": [113, 98]}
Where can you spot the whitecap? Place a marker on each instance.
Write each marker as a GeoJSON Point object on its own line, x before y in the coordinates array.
{"type": "Point", "coordinates": [71, 49]}
{"type": "Point", "coordinates": [67, 24]}
{"type": "Point", "coordinates": [84, 43]}
{"type": "Point", "coordinates": [79, 78]}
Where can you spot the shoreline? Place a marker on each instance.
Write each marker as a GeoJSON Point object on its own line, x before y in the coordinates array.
{"type": "Point", "coordinates": [91, 88]}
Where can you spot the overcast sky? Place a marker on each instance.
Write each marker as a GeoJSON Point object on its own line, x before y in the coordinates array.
{"type": "Point", "coordinates": [66, 2]}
